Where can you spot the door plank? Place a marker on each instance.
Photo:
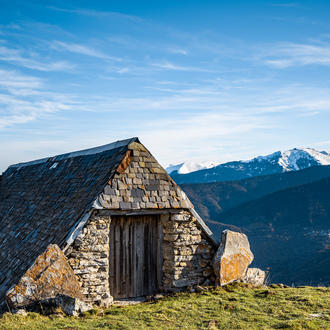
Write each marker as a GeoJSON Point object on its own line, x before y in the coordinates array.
{"type": "Point", "coordinates": [135, 256]}
{"type": "Point", "coordinates": [112, 259]}
{"type": "Point", "coordinates": [159, 253]}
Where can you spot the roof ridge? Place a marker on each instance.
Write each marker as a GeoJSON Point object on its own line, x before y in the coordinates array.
{"type": "Point", "coordinates": [84, 152]}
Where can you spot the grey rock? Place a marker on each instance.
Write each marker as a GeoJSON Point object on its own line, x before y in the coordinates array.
{"type": "Point", "coordinates": [20, 311]}
{"type": "Point", "coordinates": [183, 282]}
{"type": "Point", "coordinates": [72, 306]}
{"type": "Point", "coordinates": [125, 205]}
{"type": "Point", "coordinates": [137, 192]}
{"type": "Point", "coordinates": [109, 191]}
{"type": "Point", "coordinates": [254, 276]}
{"type": "Point", "coordinates": [232, 258]}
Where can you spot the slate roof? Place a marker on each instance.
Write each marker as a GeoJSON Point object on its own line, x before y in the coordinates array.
{"type": "Point", "coordinates": [47, 201]}
{"type": "Point", "coordinates": [42, 201]}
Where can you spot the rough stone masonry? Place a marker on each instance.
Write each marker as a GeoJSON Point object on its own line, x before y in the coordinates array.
{"type": "Point", "coordinates": [187, 255]}
{"type": "Point", "coordinates": [70, 201]}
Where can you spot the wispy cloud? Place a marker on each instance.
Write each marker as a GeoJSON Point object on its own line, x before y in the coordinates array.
{"type": "Point", "coordinates": [285, 55]}
{"type": "Point", "coordinates": [24, 98]}
{"type": "Point", "coordinates": [81, 49]}
{"type": "Point", "coordinates": [179, 137]}
{"type": "Point", "coordinates": [16, 56]}
{"type": "Point", "coordinates": [179, 51]}
{"type": "Point", "coordinates": [96, 13]}
{"type": "Point", "coordinates": [286, 5]}
{"type": "Point", "coordinates": [15, 119]}
{"type": "Point", "coordinates": [19, 109]}
{"type": "Point", "coordinates": [171, 66]}
{"type": "Point", "coordinates": [10, 79]}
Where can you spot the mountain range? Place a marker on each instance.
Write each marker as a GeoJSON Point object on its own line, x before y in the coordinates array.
{"type": "Point", "coordinates": [213, 198]}
{"type": "Point", "coordinates": [277, 162]}
{"type": "Point", "coordinates": [188, 167]}
{"type": "Point", "coordinates": [281, 201]}
{"type": "Point", "coordinates": [286, 217]}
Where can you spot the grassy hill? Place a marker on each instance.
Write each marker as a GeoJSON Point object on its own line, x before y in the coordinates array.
{"type": "Point", "coordinates": [232, 307]}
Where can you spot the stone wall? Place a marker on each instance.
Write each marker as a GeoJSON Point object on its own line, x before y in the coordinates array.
{"type": "Point", "coordinates": [89, 259]}
{"type": "Point", "coordinates": [143, 184]}
{"type": "Point", "coordinates": [187, 253]}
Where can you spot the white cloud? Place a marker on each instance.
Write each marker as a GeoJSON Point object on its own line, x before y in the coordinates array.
{"type": "Point", "coordinates": [286, 5]}
{"type": "Point", "coordinates": [15, 119]}
{"type": "Point", "coordinates": [123, 70]}
{"type": "Point", "coordinates": [81, 49]}
{"type": "Point", "coordinates": [10, 79]}
{"type": "Point", "coordinates": [19, 110]}
{"type": "Point", "coordinates": [178, 51]}
{"type": "Point", "coordinates": [170, 66]}
{"type": "Point", "coordinates": [97, 13]}
{"type": "Point", "coordinates": [17, 57]}
{"type": "Point", "coordinates": [24, 98]}
{"type": "Point", "coordinates": [285, 55]}
{"type": "Point", "coordinates": [199, 136]}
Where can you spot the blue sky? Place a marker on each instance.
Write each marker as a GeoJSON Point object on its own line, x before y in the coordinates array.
{"type": "Point", "coordinates": [195, 80]}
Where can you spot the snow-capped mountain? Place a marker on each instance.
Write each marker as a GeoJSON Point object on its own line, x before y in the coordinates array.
{"type": "Point", "coordinates": [188, 167]}
{"type": "Point", "coordinates": [277, 162]}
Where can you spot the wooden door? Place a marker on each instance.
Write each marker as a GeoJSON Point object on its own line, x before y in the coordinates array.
{"type": "Point", "coordinates": [135, 256]}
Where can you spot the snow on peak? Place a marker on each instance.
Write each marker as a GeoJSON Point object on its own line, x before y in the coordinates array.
{"type": "Point", "coordinates": [290, 159]}
{"type": "Point", "coordinates": [188, 167]}
{"type": "Point", "coordinates": [323, 157]}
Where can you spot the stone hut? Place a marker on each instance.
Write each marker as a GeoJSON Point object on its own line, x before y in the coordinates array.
{"type": "Point", "coordinates": [125, 227]}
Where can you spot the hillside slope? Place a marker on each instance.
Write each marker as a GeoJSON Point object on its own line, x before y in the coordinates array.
{"type": "Point", "coordinates": [211, 199]}
{"type": "Point", "coordinates": [289, 231]}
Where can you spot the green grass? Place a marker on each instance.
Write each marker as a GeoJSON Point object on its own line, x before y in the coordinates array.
{"type": "Point", "coordinates": [233, 307]}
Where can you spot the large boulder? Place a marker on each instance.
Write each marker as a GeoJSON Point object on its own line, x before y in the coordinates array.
{"type": "Point", "coordinates": [49, 276]}
{"type": "Point", "coordinates": [232, 258]}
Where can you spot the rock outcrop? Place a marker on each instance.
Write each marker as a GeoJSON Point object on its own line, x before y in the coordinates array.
{"type": "Point", "coordinates": [232, 258]}
{"type": "Point", "coordinates": [49, 276]}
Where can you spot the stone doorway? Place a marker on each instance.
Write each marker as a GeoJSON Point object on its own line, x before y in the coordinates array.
{"type": "Point", "coordinates": [135, 256]}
